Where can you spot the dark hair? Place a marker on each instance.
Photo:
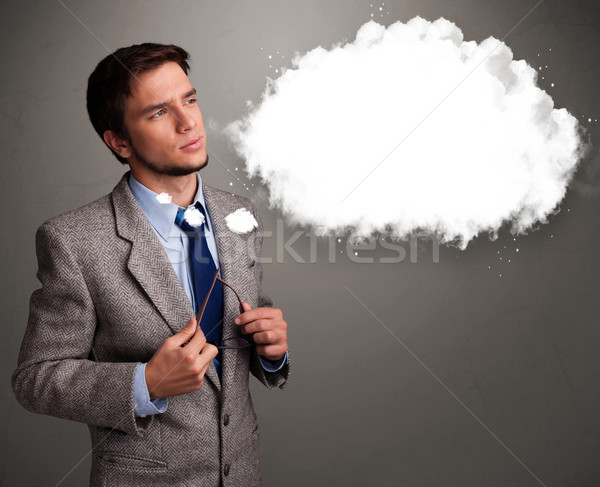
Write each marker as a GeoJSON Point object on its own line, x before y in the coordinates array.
{"type": "Point", "coordinates": [109, 84]}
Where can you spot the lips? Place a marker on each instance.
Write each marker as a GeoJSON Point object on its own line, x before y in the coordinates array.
{"type": "Point", "coordinates": [193, 144]}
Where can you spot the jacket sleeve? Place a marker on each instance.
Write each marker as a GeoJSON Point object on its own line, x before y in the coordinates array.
{"type": "Point", "coordinates": [56, 373]}
{"type": "Point", "coordinates": [277, 379]}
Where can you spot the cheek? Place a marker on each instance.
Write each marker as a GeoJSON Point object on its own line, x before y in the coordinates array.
{"type": "Point", "coordinates": [152, 139]}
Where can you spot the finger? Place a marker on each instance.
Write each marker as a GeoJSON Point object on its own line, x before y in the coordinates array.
{"type": "Point", "coordinates": [198, 341]}
{"type": "Point", "coordinates": [209, 352]}
{"type": "Point", "coordinates": [266, 337]}
{"type": "Point", "coordinates": [258, 313]}
{"type": "Point", "coordinates": [256, 327]}
{"type": "Point", "coordinates": [205, 366]}
{"type": "Point", "coordinates": [264, 325]}
{"type": "Point", "coordinates": [244, 307]}
{"type": "Point", "coordinates": [185, 334]}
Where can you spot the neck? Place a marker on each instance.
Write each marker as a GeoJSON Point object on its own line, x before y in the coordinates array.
{"type": "Point", "coordinates": [181, 188]}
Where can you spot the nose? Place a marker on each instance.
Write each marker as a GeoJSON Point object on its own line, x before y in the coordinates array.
{"type": "Point", "coordinates": [185, 121]}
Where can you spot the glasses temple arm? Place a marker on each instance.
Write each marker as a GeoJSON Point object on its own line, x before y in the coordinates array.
{"type": "Point", "coordinates": [234, 292]}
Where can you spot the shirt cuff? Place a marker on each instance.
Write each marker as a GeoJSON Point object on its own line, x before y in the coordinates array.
{"type": "Point", "coordinates": [273, 365]}
{"type": "Point", "coordinates": [143, 405]}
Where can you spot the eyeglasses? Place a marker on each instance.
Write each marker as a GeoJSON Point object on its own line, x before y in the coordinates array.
{"type": "Point", "coordinates": [233, 343]}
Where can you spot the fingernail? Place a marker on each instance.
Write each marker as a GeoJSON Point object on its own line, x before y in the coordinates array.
{"type": "Point", "coordinates": [237, 321]}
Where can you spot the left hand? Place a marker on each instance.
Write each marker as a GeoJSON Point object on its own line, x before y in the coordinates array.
{"type": "Point", "coordinates": [268, 330]}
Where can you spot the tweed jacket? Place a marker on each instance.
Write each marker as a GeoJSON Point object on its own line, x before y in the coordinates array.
{"type": "Point", "coordinates": [109, 298]}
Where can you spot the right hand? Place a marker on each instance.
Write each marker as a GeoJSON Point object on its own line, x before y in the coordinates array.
{"type": "Point", "coordinates": [180, 363]}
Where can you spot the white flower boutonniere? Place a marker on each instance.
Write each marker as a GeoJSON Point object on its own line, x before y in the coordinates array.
{"type": "Point", "coordinates": [164, 198]}
{"type": "Point", "coordinates": [241, 221]}
{"type": "Point", "coordinates": [194, 217]}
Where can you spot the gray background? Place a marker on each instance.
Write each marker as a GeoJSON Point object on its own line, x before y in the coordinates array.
{"type": "Point", "coordinates": [392, 363]}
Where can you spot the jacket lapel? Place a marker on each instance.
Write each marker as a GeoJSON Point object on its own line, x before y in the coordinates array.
{"type": "Point", "coordinates": [150, 266]}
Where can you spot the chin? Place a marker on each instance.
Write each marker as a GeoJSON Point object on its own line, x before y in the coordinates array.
{"type": "Point", "coordinates": [203, 163]}
{"type": "Point", "coordinates": [184, 168]}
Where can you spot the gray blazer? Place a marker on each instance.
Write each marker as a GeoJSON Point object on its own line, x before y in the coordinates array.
{"type": "Point", "coordinates": [108, 300]}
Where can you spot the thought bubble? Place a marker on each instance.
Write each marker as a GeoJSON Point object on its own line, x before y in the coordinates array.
{"type": "Point", "coordinates": [410, 128]}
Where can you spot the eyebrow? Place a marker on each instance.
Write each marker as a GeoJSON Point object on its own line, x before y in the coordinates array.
{"type": "Point", "coordinates": [158, 106]}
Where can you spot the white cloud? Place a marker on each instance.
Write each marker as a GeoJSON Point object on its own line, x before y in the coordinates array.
{"type": "Point", "coordinates": [466, 156]}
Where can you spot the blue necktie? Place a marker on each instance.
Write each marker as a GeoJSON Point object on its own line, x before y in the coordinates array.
{"type": "Point", "coordinates": [203, 269]}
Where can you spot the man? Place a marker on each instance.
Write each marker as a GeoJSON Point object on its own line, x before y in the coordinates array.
{"type": "Point", "coordinates": [112, 340]}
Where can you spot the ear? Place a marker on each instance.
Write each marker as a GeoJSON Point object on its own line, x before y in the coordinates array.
{"type": "Point", "coordinates": [117, 143]}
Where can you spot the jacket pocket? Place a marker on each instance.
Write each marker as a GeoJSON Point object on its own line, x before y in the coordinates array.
{"type": "Point", "coordinates": [130, 461]}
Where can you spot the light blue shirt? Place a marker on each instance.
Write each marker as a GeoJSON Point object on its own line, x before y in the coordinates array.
{"type": "Point", "coordinates": [176, 244]}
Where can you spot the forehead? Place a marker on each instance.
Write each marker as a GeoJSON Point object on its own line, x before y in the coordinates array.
{"type": "Point", "coordinates": [163, 84]}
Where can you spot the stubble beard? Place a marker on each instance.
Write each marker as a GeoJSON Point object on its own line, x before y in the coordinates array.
{"type": "Point", "coordinates": [167, 171]}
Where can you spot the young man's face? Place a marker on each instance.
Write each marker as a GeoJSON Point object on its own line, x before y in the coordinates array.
{"type": "Point", "coordinates": [165, 125]}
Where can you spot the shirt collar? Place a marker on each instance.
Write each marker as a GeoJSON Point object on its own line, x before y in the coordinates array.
{"type": "Point", "coordinates": [161, 215]}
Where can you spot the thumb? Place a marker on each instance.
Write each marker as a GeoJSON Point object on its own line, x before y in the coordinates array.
{"type": "Point", "coordinates": [246, 306]}
{"type": "Point", "coordinates": [187, 332]}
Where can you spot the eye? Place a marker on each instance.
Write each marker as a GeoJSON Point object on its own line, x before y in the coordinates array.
{"type": "Point", "coordinates": [158, 114]}
{"type": "Point", "coordinates": [191, 101]}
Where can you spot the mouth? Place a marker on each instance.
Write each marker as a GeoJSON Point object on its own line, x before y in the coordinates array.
{"type": "Point", "coordinates": [193, 144]}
